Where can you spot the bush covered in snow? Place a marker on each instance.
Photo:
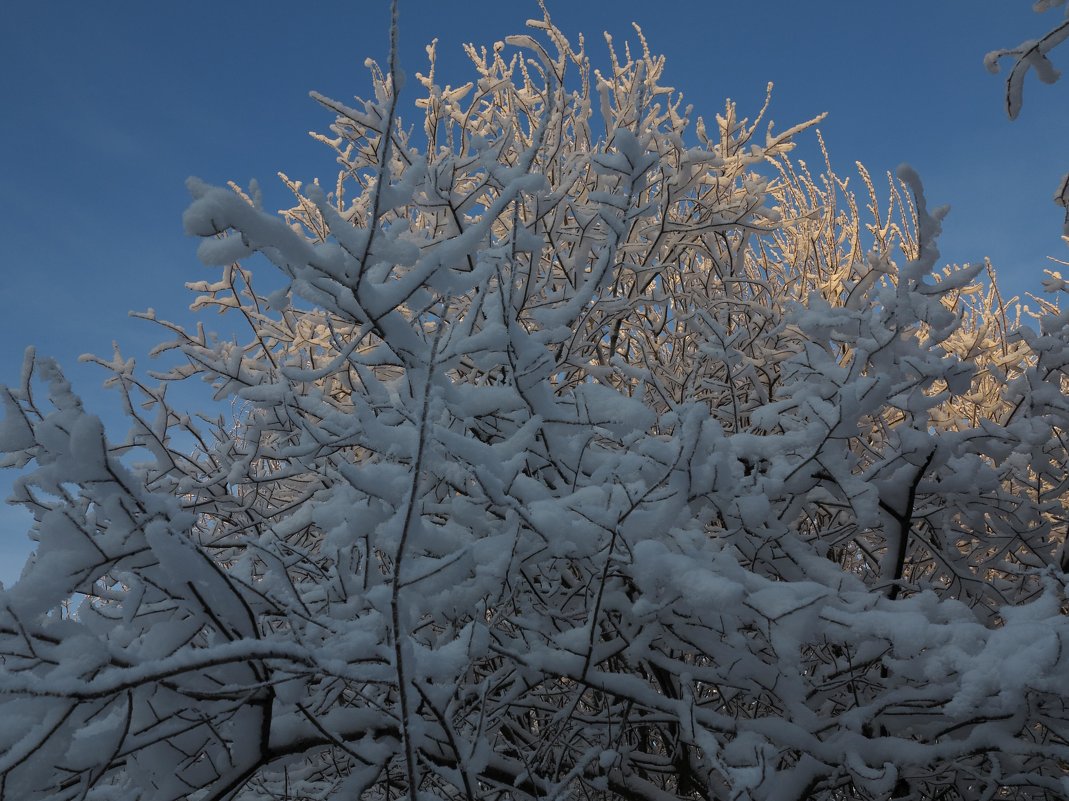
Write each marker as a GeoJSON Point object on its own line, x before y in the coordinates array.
{"type": "Point", "coordinates": [590, 449]}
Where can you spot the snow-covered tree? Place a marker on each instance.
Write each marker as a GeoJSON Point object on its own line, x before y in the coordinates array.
{"type": "Point", "coordinates": [586, 449]}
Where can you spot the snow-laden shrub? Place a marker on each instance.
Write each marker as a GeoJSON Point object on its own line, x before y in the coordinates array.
{"type": "Point", "coordinates": [588, 450]}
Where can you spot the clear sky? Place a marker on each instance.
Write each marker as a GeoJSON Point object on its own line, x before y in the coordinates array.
{"type": "Point", "coordinates": [107, 107]}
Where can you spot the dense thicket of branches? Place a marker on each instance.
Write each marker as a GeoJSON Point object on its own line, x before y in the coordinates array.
{"type": "Point", "coordinates": [590, 450]}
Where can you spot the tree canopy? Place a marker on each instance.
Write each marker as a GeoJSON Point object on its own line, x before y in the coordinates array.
{"type": "Point", "coordinates": [586, 448]}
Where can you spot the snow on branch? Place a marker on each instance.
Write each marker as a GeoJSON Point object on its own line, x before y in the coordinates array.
{"type": "Point", "coordinates": [1030, 55]}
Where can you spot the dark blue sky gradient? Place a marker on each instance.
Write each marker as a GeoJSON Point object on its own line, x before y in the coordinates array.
{"type": "Point", "coordinates": [106, 108]}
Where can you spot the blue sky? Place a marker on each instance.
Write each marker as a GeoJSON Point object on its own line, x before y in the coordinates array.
{"type": "Point", "coordinates": [108, 107]}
